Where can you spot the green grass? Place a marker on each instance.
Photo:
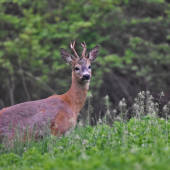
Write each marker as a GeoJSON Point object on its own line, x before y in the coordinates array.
{"type": "Point", "coordinates": [137, 144]}
{"type": "Point", "coordinates": [143, 142]}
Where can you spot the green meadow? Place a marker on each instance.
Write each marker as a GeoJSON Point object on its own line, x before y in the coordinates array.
{"type": "Point", "coordinates": [143, 142]}
{"type": "Point", "coordinates": [137, 144]}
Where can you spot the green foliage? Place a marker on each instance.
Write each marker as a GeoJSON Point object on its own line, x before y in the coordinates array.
{"type": "Point", "coordinates": [137, 144]}
{"type": "Point", "coordinates": [133, 35]}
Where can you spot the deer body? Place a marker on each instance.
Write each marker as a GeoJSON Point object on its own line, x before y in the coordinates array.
{"type": "Point", "coordinates": [61, 110]}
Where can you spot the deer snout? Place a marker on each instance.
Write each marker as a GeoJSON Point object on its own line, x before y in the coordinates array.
{"type": "Point", "coordinates": [86, 77]}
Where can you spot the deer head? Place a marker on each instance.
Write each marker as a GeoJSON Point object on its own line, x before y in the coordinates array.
{"type": "Point", "coordinates": [81, 67]}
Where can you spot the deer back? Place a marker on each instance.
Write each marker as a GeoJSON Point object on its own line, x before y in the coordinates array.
{"type": "Point", "coordinates": [34, 112]}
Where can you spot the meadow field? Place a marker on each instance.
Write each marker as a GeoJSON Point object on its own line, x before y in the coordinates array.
{"type": "Point", "coordinates": [143, 142]}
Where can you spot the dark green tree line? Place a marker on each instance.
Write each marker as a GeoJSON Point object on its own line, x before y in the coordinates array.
{"type": "Point", "coordinates": [134, 36]}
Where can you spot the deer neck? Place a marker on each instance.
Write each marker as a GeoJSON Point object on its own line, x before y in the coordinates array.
{"type": "Point", "coordinates": [76, 95]}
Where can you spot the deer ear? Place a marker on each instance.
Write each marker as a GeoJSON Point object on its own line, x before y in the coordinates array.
{"type": "Point", "coordinates": [67, 57]}
{"type": "Point", "coordinates": [92, 55]}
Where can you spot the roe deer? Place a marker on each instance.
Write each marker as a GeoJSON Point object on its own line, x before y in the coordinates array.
{"type": "Point", "coordinates": [61, 110]}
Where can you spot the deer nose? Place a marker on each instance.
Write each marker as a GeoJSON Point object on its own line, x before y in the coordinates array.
{"type": "Point", "coordinates": [86, 77]}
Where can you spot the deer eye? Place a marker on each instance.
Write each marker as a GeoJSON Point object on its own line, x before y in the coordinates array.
{"type": "Point", "coordinates": [76, 68]}
{"type": "Point", "coordinates": [89, 67]}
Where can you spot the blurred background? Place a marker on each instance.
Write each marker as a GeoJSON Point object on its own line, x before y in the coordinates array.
{"type": "Point", "coordinates": [134, 36]}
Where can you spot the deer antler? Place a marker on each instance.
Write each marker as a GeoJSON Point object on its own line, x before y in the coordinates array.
{"type": "Point", "coordinates": [84, 50]}
{"type": "Point", "coordinates": [72, 47]}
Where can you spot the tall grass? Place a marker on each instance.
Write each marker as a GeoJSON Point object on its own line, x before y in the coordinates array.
{"type": "Point", "coordinates": [139, 143]}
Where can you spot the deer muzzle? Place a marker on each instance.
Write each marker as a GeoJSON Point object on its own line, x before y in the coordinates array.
{"type": "Point", "coordinates": [86, 77]}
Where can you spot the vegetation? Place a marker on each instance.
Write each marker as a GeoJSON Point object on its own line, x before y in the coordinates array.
{"type": "Point", "coordinates": [143, 142]}
{"type": "Point", "coordinates": [138, 144]}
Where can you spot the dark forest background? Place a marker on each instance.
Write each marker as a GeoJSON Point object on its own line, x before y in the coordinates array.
{"type": "Point", "coordinates": [134, 36]}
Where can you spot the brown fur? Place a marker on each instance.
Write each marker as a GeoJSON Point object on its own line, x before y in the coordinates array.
{"type": "Point", "coordinates": [61, 110]}
{"type": "Point", "coordinates": [3, 110]}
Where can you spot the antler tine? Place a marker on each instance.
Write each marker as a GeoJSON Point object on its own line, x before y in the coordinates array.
{"type": "Point", "coordinates": [72, 47]}
{"type": "Point", "coordinates": [84, 50]}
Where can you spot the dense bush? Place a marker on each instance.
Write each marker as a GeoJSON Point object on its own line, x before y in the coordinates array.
{"type": "Point", "coordinates": [134, 37]}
